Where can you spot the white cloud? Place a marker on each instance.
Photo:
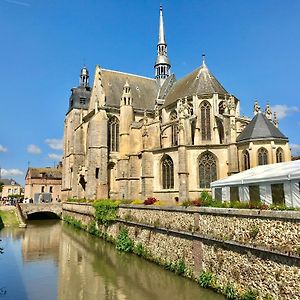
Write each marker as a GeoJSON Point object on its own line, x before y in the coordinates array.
{"type": "Point", "coordinates": [284, 110]}
{"type": "Point", "coordinates": [54, 156]}
{"type": "Point", "coordinates": [295, 149]}
{"type": "Point", "coordinates": [11, 172]}
{"type": "Point", "coordinates": [2, 148]}
{"type": "Point", "coordinates": [56, 144]}
{"type": "Point", "coordinates": [33, 149]}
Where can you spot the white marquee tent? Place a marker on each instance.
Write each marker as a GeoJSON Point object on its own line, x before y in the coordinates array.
{"type": "Point", "coordinates": [272, 184]}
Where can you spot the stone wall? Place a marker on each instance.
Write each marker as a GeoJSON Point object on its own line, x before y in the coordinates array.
{"type": "Point", "coordinates": [235, 245]}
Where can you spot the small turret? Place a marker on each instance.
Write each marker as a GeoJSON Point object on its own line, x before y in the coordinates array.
{"type": "Point", "coordinates": [256, 108]}
{"type": "Point", "coordinates": [84, 77]}
{"type": "Point", "coordinates": [126, 96]}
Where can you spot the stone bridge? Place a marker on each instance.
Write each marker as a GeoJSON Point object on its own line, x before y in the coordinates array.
{"type": "Point", "coordinates": [28, 209]}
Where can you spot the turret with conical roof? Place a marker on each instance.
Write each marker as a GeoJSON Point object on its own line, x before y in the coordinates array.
{"type": "Point", "coordinates": [162, 65]}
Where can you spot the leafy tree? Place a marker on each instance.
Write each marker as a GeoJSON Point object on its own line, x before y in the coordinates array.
{"type": "Point", "coordinates": [1, 186]}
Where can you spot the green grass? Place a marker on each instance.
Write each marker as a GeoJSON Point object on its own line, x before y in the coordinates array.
{"type": "Point", "coordinates": [9, 218]}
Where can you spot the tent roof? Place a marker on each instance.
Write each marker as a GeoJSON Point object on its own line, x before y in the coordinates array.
{"type": "Point", "coordinates": [268, 173]}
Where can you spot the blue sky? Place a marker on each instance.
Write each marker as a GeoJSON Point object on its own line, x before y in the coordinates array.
{"type": "Point", "coordinates": [252, 47]}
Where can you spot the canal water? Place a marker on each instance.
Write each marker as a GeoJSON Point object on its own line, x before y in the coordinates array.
{"type": "Point", "coordinates": [52, 260]}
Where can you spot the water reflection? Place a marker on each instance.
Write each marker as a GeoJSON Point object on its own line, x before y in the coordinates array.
{"type": "Point", "coordinates": [51, 260]}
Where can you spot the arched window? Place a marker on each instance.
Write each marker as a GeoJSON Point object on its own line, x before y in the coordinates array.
{"type": "Point", "coordinates": [113, 134]}
{"type": "Point", "coordinates": [207, 170]}
{"type": "Point", "coordinates": [167, 172]}
{"type": "Point", "coordinates": [174, 128]}
{"type": "Point", "coordinates": [205, 121]}
{"type": "Point", "coordinates": [262, 155]}
{"type": "Point", "coordinates": [246, 160]}
{"type": "Point", "coordinates": [279, 155]}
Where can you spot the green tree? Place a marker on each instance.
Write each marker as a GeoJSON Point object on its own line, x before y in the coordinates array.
{"type": "Point", "coordinates": [1, 186]}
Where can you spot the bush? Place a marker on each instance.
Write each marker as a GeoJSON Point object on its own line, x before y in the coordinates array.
{"type": "Point", "coordinates": [177, 267]}
{"type": "Point", "coordinates": [92, 229]}
{"type": "Point", "coordinates": [123, 242]}
{"type": "Point", "coordinates": [74, 222]}
{"type": "Point", "coordinates": [249, 295]}
{"type": "Point", "coordinates": [140, 250]}
{"type": "Point", "coordinates": [230, 292]}
{"type": "Point", "coordinates": [150, 201]}
{"type": "Point", "coordinates": [105, 211]}
{"type": "Point", "coordinates": [207, 280]}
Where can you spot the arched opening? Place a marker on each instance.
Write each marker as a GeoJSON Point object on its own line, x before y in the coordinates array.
{"type": "Point", "coordinates": [167, 171]}
{"type": "Point", "coordinates": [205, 121]}
{"type": "Point", "coordinates": [220, 130]}
{"type": "Point", "coordinates": [279, 155]}
{"type": "Point", "coordinates": [207, 165]}
{"type": "Point", "coordinates": [221, 108]}
{"type": "Point", "coordinates": [113, 134]}
{"type": "Point", "coordinates": [246, 160]}
{"type": "Point", "coordinates": [42, 215]}
{"type": "Point", "coordinates": [262, 155]}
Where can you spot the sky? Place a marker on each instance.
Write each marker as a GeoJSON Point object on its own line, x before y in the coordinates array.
{"type": "Point", "coordinates": [251, 47]}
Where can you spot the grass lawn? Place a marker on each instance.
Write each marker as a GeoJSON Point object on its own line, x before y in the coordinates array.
{"type": "Point", "coordinates": [9, 219]}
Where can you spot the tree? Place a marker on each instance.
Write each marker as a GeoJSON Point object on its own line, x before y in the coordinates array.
{"type": "Point", "coordinates": [1, 186]}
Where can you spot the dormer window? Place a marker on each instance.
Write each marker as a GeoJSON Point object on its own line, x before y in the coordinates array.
{"type": "Point", "coordinates": [82, 100]}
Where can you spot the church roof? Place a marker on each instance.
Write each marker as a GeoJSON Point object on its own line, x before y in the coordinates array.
{"type": "Point", "coordinates": [259, 128]}
{"type": "Point", "coordinates": [144, 90]}
{"type": "Point", "coordinates": [198, 82]}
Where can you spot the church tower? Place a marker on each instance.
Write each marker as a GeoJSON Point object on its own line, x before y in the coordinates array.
{"type": "Point", "coordinates": [162, 65]}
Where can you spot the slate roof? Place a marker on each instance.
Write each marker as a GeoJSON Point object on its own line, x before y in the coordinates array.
{"type": "Point", "coordinates": [78, 94]}
{"type": "Point", "coordinates": [144, 90]}
{"type": "Point", "coordinates": [259, 128]}
{"type": "Point", "coordinates": [198, 82]}
{"type": "Point", "coordinates": [9, 182]}
{"type": "Point", "coordinates": [49, 173]}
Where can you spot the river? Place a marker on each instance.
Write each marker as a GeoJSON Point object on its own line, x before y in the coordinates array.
{"type": "Point", "coordinates": [52, 260]}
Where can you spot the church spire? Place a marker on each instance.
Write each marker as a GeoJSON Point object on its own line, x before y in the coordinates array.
{"type": "Point", "coordinates": [162, 65]}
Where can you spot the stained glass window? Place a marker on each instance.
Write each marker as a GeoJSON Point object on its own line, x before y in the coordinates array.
{"type": "Point", "coordinates": [207, 170]}
{"type": "Point", "coordinates": [113, 134]}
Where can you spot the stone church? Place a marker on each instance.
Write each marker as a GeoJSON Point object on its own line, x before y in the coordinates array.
{"type": "Point", "coordinates": [132, 137]}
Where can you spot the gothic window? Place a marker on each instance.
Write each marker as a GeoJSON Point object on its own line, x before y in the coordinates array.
{"type": "Point", "coordinates": [207, 170]}
{"type": "Point", "coordinates": [167, 172]}
{"type": "Point", "coordinates": [246, 160]}
{"type": "Point", "coordinates": [205, 121]}
{"type": "Point", "coordinates": [262, 155]}
{"type": "Point", "coordinates": [113, 134]}
{"type": "Point", "coordinates": [174, 128]}
{"type": "Point", "coordinates": [279, 155]}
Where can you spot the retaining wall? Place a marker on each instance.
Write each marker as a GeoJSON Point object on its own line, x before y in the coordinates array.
{"type": "Point", "coordinates": [249, 249]}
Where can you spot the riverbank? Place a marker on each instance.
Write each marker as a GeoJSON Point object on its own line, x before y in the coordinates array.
{"type": "Point", "coordinates": [8, 217]}
{"type": "Point", "coordinates": [243, 254]}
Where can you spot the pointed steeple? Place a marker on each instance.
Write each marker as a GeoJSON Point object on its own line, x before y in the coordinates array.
{"type": "Point", "coordinates": [162, 65]}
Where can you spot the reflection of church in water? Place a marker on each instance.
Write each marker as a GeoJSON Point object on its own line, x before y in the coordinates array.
{"type": "Point", "coordinates": [133, 137]}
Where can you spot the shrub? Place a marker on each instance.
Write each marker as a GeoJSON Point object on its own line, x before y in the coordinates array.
{"type": "Point", "coordinates": [230, 292]}
{"type": "Point", "coordinates": [150, 201]}
{"type": "Point", "coordinates": [249, 295]}
{"type": "Point", "coordinates": [178, 267]}
{"type": "Point", "coordinates": [105, 211]}
{"type": "Point", "coordinates": [74, 222]}
{"type": "Point", "coordinates": [123, 242]}
{"type": "Point", "coordinates": [137, 202]}
{"type": "Point", "coordinates": [254, 232]}
{"type": "Point", "coordinates": [140, 250]}
{"type": "Point", "coordinates": [207, 280]}
{"type": "Point", "coordinates": [92, 229]}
